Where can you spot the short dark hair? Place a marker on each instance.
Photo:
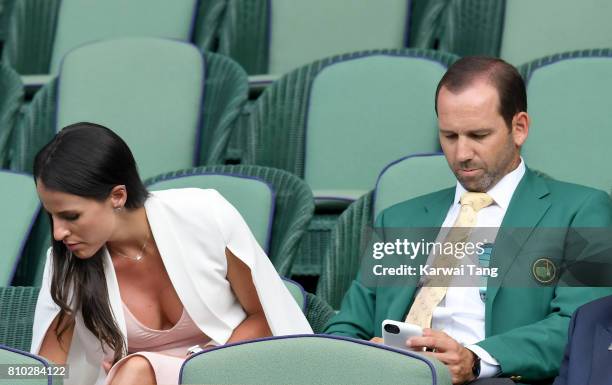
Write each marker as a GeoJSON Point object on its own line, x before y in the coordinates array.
{"type": "Point", "coordinates": [501, 75]}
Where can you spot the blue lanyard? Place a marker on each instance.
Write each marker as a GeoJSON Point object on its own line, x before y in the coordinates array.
{"type": "Point", "coordinates": [484, 260]}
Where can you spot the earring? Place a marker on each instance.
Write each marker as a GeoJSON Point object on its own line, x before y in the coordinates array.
{"type": "Point", "coordinates": [118, 209]}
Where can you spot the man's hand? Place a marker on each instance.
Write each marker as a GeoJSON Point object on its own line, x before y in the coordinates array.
{"type": "Point", "coordinates": [377, 340]}
{"type": "Point", "coordinates": [457, 359]}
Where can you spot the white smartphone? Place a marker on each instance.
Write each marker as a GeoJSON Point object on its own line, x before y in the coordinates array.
{"type": "Point", "coordinates": [395, 333]}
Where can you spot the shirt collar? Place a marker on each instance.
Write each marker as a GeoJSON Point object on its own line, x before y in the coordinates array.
{"type": "Point", "coordinates": [504, 189]}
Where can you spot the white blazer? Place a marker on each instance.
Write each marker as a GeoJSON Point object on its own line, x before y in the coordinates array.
{"type": "Point", "coordinates": [192, 227]}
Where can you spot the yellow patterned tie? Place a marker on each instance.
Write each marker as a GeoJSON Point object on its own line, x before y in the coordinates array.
{"type": "Point", "coordinates": [421, 311]}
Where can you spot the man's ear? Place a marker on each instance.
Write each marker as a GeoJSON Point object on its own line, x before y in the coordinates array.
{"type": "Point", "coordinates": [118, 196]}
{"type": "Point", "coordinates": [520, 128]}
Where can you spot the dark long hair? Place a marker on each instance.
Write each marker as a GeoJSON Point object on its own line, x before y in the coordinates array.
{"type": "Point", "coordinates": [87, 160]}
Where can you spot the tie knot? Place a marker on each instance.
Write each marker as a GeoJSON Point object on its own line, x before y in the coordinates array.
{"type": "Point", "coordinates": [476, 200]}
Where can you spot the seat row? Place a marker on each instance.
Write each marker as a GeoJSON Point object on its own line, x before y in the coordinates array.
{"type": "Point", "coordinates": [276, 36]}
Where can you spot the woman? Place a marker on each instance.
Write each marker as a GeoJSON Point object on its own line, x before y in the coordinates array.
{"type": "Point", "coordinates": [134, 279]}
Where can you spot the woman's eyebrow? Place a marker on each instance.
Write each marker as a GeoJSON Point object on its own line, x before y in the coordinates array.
{"type": "Point", "coordinates": [65, 212]}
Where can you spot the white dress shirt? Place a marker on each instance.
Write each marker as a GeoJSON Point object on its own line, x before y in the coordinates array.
{"type": "Point", "coordinates": [461, 314]}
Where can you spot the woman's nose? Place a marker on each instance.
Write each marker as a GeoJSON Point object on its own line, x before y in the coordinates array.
{"type": "Point", "coordinates": [60, 232]}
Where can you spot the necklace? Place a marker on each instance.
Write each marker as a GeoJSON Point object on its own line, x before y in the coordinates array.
{"type": "Point", "coordinates": [140, 255]}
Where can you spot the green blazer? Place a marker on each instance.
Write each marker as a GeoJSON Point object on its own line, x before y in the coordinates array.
{"type": "Point", "coordinates": [525, 327]}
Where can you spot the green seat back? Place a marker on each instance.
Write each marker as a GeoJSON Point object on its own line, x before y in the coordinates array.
{"type": "Point", "coordinates": [411, 177]}
{"type": "Point", "coordinates": [311, 359]}
{"type": "Point", "coordinates": [84, 21]}
{"type": "Point", "coordinates": [17, 306]}
{"type": "Point", "coordinates": [304, 31]}
{"type": "Point", "coordinates": [19, 205]}
{"type": "Point", "coordinates": [147, 90]}
{"type": "Point", "coordinates": [297, 292]}
{"type": "Point", "coordinates": [364, 113]}
{"type": "Point", "coordinates": [252, 197]}
{"type": "Point", "coordinates": [20, 360]}
{"type": "Point", "coordinates": [533, 29]}
{"type": "Point", "coordinates": [571, 129]}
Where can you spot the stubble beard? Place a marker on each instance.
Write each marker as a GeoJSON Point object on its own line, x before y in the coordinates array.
{"type": "Point", "coordinates": [490, 177]}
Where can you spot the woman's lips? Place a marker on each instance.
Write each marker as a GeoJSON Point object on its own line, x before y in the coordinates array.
{"type": "Point", "coordinates": [72, 246]}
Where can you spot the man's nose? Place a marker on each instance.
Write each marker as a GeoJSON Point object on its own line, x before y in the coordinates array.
{"type": "Point", "coordinates": [464, 150]}
{"type": "Point", "coordinates": [60, 232]}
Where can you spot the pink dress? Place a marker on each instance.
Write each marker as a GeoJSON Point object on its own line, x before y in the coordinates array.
{"type": "Point", "coordinates": [165, 349]}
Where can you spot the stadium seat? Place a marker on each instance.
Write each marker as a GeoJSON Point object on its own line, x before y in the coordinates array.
{"type": "Point", "coordinates": [181, 105]}
{"type": "Point", "coordinates": [463, 27]}
{"type": "Point", "coordinates": [317, 311]}
{"type": "Point", "coordinates": [41, 32]}
{"type": "Point", "coordinates": [11, 100]}
{"type": "Point", "coordinates": [274, 37]}
{"type": "Point", "coordinates": [311, 359]}
{"type": "Point", "coordinates": [297, 292]}
{"type": "Point", "coordinates": [338, 121]}
{"type": "Point", "coordinates": [569, 104]}
{"type": "Point", "coordinates": [518, 31]}
{"type": "Point", "coordinates": [20, 207]}
{"type": "Point", "coordinates": [553, 26]}
{"type": "Point", "coordinates": [184, 126]}
{"type": "Point", "coordinates": [276, 205]}
{"type": "Point", "coordinates": [348, 238]}
{"type": "Point", "coordinates": [17, 305]}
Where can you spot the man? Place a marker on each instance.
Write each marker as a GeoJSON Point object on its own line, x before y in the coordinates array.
{"type": "Point", "coordinates": [509, 332]}
{"type": "Point", "coordinates": [588, 355]}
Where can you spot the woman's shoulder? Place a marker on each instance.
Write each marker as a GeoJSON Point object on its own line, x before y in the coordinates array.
{"type": "Point", "coordinates": [187, 196]}
{"type": "Point", "coordinates": [188, 201]}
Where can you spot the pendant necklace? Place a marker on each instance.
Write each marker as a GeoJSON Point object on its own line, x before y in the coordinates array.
{"type": "Point", "coordinates": [140, 255]}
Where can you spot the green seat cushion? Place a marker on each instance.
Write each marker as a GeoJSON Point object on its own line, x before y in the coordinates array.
{"type": "Point", "coordinates": [297, 292]}
{"type": "Point", "coordinates": [534, 29]}
{"type": "Point", "coordinates": [311, 359]}
{"type": "Point", "coordinates": [571, 130]}
{"type": "Point", "coordinates": [304, 31]}
{"type": "Point", "coordinates": [410, 177]}
{"type": "Point", "coordinates": [364, 113]}
{"type": "Point", "coordinates": [84, 21]}
{"type": "Point", "coordinates": [19, 205]}
{"type": "Point", "coordinates": [252, 197]}
{"type": "Point", "coordinates": [149, 91]}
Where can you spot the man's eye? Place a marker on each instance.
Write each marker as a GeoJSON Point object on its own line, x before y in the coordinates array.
{"type": "Point", "coordinates": [71, 217]}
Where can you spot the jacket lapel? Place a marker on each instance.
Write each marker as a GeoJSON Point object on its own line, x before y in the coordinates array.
{"type": "Point", "coordinates": [526, 209]}
{"type": "Point", "coordinates": [435, 210]}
